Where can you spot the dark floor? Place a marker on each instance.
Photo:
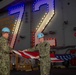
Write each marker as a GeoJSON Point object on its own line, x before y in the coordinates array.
{"type": "Point", "coordinates": [71, 71]}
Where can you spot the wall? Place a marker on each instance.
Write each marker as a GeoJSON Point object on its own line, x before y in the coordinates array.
{"type": "Point", "coordinates": [25, 32]}
{"type": "Point", "coordinates": [64, 32]}
{"type": "Point", "coordinates": [23, 37]}
{"type": "Point", "coordinates": [64, 12]}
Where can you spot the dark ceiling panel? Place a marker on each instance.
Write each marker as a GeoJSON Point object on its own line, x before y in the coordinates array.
{"type": "Point", "coordinates": [15, 2]}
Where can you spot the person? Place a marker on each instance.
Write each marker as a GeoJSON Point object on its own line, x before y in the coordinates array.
{"type": "Point", "coordinates": [5, 52]}
{"type": "Point", "coordinates": [44, 50]}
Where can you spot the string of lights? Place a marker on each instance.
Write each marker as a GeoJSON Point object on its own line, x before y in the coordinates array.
{"type": "Point", "coordinates": [47, 16]}
{"type": "Point", "coordinates": [17, 9]}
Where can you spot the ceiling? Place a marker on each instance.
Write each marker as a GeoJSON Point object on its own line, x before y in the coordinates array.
{"type": "Point", "coordinates": [5, 3]}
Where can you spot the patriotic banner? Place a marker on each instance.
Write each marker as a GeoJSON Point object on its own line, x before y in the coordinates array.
{"type": "Point", "coordinates": [54, 57]}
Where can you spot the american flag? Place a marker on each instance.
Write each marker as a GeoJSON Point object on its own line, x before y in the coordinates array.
{"type": "Point", "coordinates": [53, 57]}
